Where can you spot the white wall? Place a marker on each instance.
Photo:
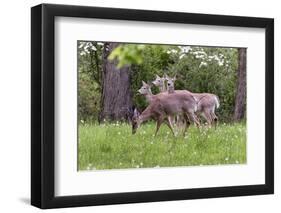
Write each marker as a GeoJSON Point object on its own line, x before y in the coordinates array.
{"type": "Point", "coordinates": [15, 105]}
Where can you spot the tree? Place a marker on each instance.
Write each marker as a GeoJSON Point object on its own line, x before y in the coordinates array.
{"type": "Point", "coordinates": [116, 95]}
{"type": "Point", "coordinates": [240, 101]}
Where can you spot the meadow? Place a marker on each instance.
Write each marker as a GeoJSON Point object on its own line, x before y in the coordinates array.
{"type": "Point", "coordinates": [112, 146]}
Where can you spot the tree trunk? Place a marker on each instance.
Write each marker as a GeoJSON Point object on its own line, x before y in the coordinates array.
{"type": "Point", "coordinates": [116, 97]}
{"type": "Point", "coordinates": [240, 101]}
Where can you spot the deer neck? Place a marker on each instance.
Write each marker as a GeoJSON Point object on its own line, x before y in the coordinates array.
{"type": "Point", "coordinates": [171, 89]}
{"type": "Point", "coordinates": [149, 96]}
{"type": "Point", "coordinates": [162, 87]}
{"type": "Point", "coordinates": [145, 115]}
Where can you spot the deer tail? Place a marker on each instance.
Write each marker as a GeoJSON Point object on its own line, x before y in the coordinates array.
{"type": "Point", "coordinates": [217, 101]}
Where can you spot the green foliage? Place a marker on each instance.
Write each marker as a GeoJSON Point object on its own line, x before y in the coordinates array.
{"type": "Point", "coordinates": [88, 98]}
{"type": "Point", "coordinates": [112, 146]}
{"type": "Point", "coordinates": [212, 70]}
{"type": "Point", "coordinates": [197, 69]}
{"type": "Point", "coordinates": [155, 59]}
{"type": "Point", "coordinates": [127, 54]}
{"type": "Point", "coordinates": [89, 84]}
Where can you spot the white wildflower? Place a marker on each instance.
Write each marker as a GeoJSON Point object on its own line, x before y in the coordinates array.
{"type": "Point", "coordinates": [94, 48]}
{"type": "Point", "coordinates": [181, 56]}
{"type": "Point", "coordinates": [203, 64]}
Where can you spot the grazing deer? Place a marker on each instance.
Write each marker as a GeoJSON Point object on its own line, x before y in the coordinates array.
{"type": "Point", "coordinates": [206, 102]}
{"type": "Point", "coordinates": [160, 83]}
{"type": "Point", "coordinates": [165, 105]}
{"type": "Point", "coordinates": [146, 91]}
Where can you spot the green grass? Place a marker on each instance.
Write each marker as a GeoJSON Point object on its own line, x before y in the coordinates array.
{"type": "Point", "coordinates": [112, 146]}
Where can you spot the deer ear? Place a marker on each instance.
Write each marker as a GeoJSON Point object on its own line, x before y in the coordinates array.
{"type": "Point", "coordinates": [143, 83]}
{"type": "Point", "coordinates": [175, 77]}
{"type": "Point", "coordinates": [167, 77]}
{"type": "Point", "coordinates": [157, 76]}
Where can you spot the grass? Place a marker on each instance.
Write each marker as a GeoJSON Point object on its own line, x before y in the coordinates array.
{"type": "Point", "coordinates": [112, 146]}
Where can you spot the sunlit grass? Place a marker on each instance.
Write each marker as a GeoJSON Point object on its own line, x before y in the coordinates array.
{"type": "Point", "coordinates": [112, 146]}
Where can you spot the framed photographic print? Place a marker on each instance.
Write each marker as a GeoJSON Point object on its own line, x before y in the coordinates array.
{"type": "Point", "coordinates": [139, 106]}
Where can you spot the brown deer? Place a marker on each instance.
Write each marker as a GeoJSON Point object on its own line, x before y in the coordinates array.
{"type": "Point", "coordinates": [171, 89]}
{"type": "Point", "coordinates": [146, 91]}
{"type": "Point", "coordinates": [160, 83]}
{"type": "Point", "coordinates": [206, 102]}
{"type": "Point", "coordinates": [165, 105]}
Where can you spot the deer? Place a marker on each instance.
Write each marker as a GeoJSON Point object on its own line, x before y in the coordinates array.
{"type": "Point", "coordinates": [164, 106]}
{"type": "Point", "coordinates": [146, 91]}
{"type": "Point", "coordinates": [160, 83]}
{"type": "Point", "coordinates": [171, 89]}
{"type": "Point", "coordinates": [206, 102]}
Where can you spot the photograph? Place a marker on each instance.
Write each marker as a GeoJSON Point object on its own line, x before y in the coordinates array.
{"type": "Point", "coordinates": [139, 105]}
{"type": "Point", "coordinates": [144, 105]}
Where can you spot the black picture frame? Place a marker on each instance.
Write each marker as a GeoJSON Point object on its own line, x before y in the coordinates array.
{"type": "Point", "coordinates": [43, 102]}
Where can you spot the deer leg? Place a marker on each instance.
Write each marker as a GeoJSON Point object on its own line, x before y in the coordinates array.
{"type": "Point", "coordinates": [170, 125]}
{"type": "Point", "coordinates": [198, 116]}
{"type": "Point", "coordinates": [187, 123]}
{"type": "Point", "coordinates": [180, 121]}
{"type": "Point", "coordinates": [194, 119]}
{"type": "Point", "coordinates": [215, 119]}
{"type": "Point", "coordinates": [172, 120]}
{"type": "Point", "coordinates": [158, 124]}
{"type": "Point", "coordinates": [208, 117]}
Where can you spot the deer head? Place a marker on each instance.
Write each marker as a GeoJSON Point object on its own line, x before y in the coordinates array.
{"type": "Point", "coordinates": [170, 83]}
{"type": "Point", "coordinates": [160, 82]}
{"type": "Point", "coordinates": [145, 89]}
